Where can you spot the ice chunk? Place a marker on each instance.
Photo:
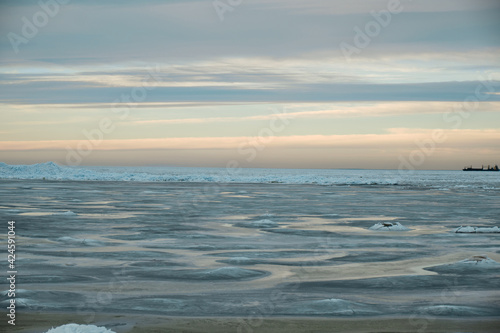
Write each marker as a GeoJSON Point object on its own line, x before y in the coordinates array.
{"type": "Point", "coordinates": [488, 230]}
{"type": "Point", "coordinates": [389, 226]}
{"type": "Point", "coordinates": [465, 230]}
{"type": "Point", "coordinates": [479, 260]}
{"type": "Point", "coordinates": [75, 328]}
{"type": "Point", "coordinates": [66, 213]}
{"type": "Point", "coordinates": [479, 230]}
{"type": "Point", "coordinates": [264, 224]}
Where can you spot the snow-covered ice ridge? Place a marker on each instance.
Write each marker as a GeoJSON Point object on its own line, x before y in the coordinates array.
{"type": "Point", "coordinates": [443, 180]}
{"type": "Point", "coordinates": [389, 226]}
{"type": "Point", "coordinates": [75, 328]}
{"type": "Point", "coordinates": [477, 230]}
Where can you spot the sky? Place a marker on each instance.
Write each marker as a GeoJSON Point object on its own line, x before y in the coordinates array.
{"type": "Point", "coordinates": [376, 84]}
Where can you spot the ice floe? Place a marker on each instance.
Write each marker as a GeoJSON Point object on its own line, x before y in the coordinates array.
{"type": "Point", "coordinates": [477, 230]}
{"type": "Point", "coordinates": [389, 226]}
{"type": "Point", "coordinates": [75, 328]}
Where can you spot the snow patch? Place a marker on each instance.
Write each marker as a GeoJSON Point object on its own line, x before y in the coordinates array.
{"type": "Point", "coordinates": [389, 226]}
{"type": "Point", "coordinates": [75, 328]}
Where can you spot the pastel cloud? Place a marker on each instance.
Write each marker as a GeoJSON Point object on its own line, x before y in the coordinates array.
{"type": "Point", "coordinates": [395, 138]}
{"type": "Point", "coordinates": [342, 111]}
{"type": "Point", "coordinates": [213, 81]}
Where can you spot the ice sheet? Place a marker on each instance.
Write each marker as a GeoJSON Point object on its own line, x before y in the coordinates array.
{"type": "Point", "coordinates": [236, 249]}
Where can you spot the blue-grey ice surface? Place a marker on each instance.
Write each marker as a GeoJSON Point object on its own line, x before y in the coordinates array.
{"type": "Point", "coordinates": [201, 242]}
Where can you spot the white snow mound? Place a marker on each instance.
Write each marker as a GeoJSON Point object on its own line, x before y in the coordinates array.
{"type": "Point", "coordinates": [389, 226]}
{"type": "Point", "coordinates": [264, 224]}
{"type": "Point", "coordinates": [75, 328]}
{"type": "Point", "coordinates": [476, 230]}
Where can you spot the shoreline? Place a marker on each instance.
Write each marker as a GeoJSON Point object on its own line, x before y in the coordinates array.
{"type": "Point", "coordinates": [134, 323]}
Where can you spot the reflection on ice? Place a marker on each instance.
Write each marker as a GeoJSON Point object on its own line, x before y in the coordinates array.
{"type": "Point", "coordinates": [218, 274]}
{"type": "Point", "coordinates": [456, 311]}
{"type": "Point", "coordinates": [80, 241]}
{"type": "Point", "coordinates": [330, 306]}
{"type": "Point", "coordinates": [477, 264]}
{"type": "Point", "coordinates": [40, 299]}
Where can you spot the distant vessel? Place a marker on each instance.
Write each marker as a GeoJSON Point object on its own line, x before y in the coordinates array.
{"type": "Point", "coordinates": [495, 168]}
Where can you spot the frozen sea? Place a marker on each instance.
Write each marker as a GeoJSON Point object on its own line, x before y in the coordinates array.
{"type": "Point", "coordinates": [253, 243]}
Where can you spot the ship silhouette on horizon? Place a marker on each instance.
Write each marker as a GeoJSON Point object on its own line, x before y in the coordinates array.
{"type": "Point", "coordinates": [495, 168]}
